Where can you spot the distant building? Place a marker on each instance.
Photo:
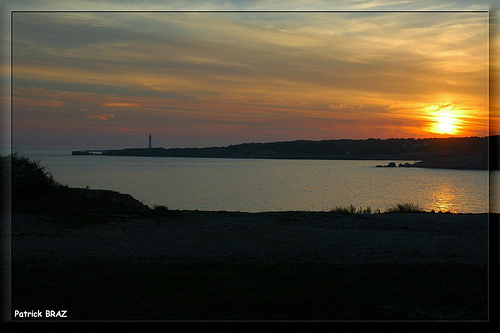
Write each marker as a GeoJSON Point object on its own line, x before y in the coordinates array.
{"type": "Point", "coordinates": [150, 141]}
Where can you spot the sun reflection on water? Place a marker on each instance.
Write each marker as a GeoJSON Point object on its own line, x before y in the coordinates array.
{"type": "Point", "coordinates": [442, 199]}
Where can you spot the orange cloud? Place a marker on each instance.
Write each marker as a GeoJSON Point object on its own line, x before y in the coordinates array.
{"type": "Point", "coordinates": [122, 104]}
{"type": "Point", "coordinates": [100, 116]}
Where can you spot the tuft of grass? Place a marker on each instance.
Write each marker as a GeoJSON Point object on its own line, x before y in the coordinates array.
{"type": "Point", "coordinates": [406, 207]}
{"type": "Point", "coordinates": [344, 210]}
{"type": "Point", "coordinates": [403, 207]}
{"type": "Point", "coordinates": [351, 209]}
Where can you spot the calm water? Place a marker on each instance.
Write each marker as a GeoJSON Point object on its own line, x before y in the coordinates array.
{"type": "Point", "coordinates": [269, 185]}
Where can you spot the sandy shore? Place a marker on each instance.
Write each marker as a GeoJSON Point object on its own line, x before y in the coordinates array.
{"type": "Point", "coordinates": [294, 237]}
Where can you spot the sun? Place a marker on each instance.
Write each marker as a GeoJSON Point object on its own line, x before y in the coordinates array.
{"type": "Point", "coordinates": [446, 124]}
{"type": "Point", "coordinates": [444, 121]}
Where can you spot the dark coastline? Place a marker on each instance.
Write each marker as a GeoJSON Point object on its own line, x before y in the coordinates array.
{"type": "Point", "coordinates": [452, 153]}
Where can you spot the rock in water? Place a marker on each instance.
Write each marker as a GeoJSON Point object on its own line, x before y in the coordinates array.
{"type": "Point", "coordinates": [390, 165]}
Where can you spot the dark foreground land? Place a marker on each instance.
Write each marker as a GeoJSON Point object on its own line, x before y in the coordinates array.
{"type": "Point", "coordinates": [217, 266]}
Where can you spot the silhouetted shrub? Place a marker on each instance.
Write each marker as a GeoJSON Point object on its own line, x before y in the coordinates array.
{"type": "Point", "coordinates": [29, 178]}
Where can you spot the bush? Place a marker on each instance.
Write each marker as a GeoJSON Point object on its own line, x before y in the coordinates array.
{"type": "Point", "coordinates": [160, 208]}
{"type": "Point", "coordinates": [29, 179]}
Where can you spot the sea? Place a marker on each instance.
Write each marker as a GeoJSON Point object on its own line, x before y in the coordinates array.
{"type": "Point", "coordinates": [260, 185]}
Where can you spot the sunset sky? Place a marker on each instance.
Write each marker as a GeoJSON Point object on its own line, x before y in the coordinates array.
{"type": "Point", "coordinates": [196, 79]}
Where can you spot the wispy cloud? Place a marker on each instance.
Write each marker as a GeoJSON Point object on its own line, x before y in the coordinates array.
{"type": "Point", "coordinates": [121, 104]}
{"type": "Point", "coordinates": [100, 116]}
{"type": "Point", "coordinates": [345, 107]}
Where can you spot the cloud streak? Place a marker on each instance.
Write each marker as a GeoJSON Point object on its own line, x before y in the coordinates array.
{"type": "Point", "coordinates": [100, 116]}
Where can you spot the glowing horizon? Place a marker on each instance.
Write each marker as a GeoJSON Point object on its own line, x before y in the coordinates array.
{"type": "Point", "coordinates": [202, 78]}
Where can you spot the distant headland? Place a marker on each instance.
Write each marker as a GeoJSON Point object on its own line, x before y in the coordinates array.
{"type": "Point", "coordinates": [453, 153]}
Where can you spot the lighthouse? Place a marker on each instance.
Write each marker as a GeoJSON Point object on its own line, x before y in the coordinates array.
{"type": "Point", "coordinates": [150, 141]}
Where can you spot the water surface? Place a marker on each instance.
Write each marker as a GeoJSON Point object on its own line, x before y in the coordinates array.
{"type": "Point", "coordinates": [256, 185]}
